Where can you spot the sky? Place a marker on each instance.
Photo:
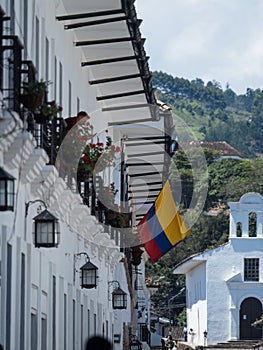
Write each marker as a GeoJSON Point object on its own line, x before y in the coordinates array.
{"type": "Point", "coordinates": [218, 40]}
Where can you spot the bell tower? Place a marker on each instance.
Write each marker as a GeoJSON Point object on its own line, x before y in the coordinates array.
{"type": "Point", "coordinates": [246, 216]}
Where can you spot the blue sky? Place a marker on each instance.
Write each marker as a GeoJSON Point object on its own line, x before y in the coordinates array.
{"type": "Point", "coordinates": [208, 39]}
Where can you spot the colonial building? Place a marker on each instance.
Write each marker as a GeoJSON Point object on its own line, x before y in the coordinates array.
{"type": "Point", "coordinates": [225, 284]}
{"type": "Point", "coordinates": [66, 264]}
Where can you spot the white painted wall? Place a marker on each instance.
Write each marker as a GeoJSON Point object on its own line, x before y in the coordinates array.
{"type": "Point", "coordinates": [42, 265]}
{"type": "Point", "coordinates": [215, 279]}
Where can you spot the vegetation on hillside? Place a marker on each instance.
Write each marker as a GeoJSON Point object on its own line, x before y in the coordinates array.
{"type": "Point", "coordinates": [214, 114]}
{"type": "Point", "coordinates": [228, 179]}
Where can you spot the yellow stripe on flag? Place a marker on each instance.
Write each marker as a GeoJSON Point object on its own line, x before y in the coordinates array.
{"type": "Point", "coordinates": [168, 216]}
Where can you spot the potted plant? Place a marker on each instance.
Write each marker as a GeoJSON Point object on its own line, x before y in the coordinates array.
{"type": "Point", "coordinates": [47, 111]}
{"type": "Point", "coordinates": [98, 156]}
{"type": "Point", "coordinates": [33, 94]}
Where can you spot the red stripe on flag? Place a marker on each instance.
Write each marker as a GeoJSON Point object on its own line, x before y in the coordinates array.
{"type": "Point", "coordinates": [146, 238]}
{"type": "Point", "coordinates": [153, 250]}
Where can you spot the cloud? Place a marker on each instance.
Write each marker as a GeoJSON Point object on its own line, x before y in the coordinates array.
{"type": "Point", "coordinates": [210, 39]}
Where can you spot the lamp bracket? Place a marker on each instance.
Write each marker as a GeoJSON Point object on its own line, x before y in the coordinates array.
{"type": "Point", "coordinates": [27, 204]}
{"type": "Point", "coordinates": [77, 256]}
{"type": "Point", "coordinates": [115, 284]}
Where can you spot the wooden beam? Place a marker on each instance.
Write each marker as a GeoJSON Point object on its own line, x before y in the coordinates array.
{"type": "Point", "coordinates": [144, 154]}
{"type": "Point", "coordinates": [102, 41]}
{"type": "Point", "coordinates": [128, 122]}
{"type": "Point", "coordinates": [145, 143]}
{"type": "Point", "coordinates": [138, 203]}
{"type": "Point", "coordinates": [142, 197]}
{"type": "Point", "coordinates": [108, 60]}
{"type": "Point", "coordinates": [94, 23]}
{"type": "Point", "coordinates": [121, 94]}
{"type": "Point", "coordinates": [145, 138]}
{"type": "Point", "coordinates": [143, 164]}
{"type": "Point", "coordinates": [146, 190]}
{"type": "Point", "coordinates": [147, 183]}
{"type": "Point", "coordinates": [144, 174]}
{"type": "Point", "coordinates": [113, 79]}
{"type": "Point", "coordinates": [117, 108]}
{"type": "Point", "coordinates": [90, 14]}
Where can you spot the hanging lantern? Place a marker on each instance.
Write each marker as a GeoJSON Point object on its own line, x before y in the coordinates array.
{"type": "Point", "coordinates": [135, 344]}
{"type": "Point", "coordinates": [119, 299]}
{"type": "Point", "coordinates": [46, 230]}
{"type": "Point", "coordinates": [6, 191]}
{"type": "Point", "coordinates": [88, 275]}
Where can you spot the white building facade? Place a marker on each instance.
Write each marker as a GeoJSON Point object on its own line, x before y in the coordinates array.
{"type": "Point", "coordinates": [225, 284]}
{"type": "Point", "coordinates": [92, 53]}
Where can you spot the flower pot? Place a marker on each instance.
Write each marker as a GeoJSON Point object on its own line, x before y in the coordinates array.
{"type": "Point", "coordinates": [84, 176]}
{"type": "Point", "coordinates": [41, 119]}
{"type": "Point", "coordinates": [32, 102]}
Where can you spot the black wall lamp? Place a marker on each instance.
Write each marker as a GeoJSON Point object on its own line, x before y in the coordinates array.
{"type": "Point", "coordinates": [135, 344]}
{"type": "Point", "coordinates": [6, 191]}
{"type": "Point", "coordinates": [45, 227]}
{"type": "Point", "coordinates": [88, 277]}
{"type": "Point", "coordinates": [119, 297]}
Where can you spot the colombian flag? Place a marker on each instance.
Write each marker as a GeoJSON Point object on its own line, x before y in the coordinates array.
{"type": "Point", "coordinates": [162, 227]}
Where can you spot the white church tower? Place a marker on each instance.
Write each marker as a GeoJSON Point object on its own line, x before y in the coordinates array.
{"type": "Point", "coordinates": [225, 284]}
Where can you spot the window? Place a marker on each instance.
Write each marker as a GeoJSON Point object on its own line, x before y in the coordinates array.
{"type": "Point", "coordinates": [33, 330]}
{"type": "Point", "coordinates": [65, 321]}
{"type": "Point", "coordinates": [251, 269]}
{"type": "Point", "coordinates": [252, 224]}
{"type": "Point", "coordinates": [239, 229]}
{"type": "Point", "coordinates": [69, 97]}
{"type": "Point", "coordinates": [47, 60]}
{"type": "Point", "coordinates": [88, 323]}
{"type": "Point", "coordinates": [54, 313]}
{"type": "Point", "coordinates": [44, 332]}
{"type": "Point", "coordinates": [78, 104]}
{"type": "Point", "coordinates": [60, 83]}
{"type": "Point", "coordinates": [22, 301]}
{"type": "Point", "coordinates": [25, 27]}
{"type": "Point", "coordinates": [55, 78]}
{"type": "Point", "coordinates": [74, 323]}
{"type": "Point", "coordinates": [37, 38]}
{"type": "Point", "coordinates": [95, 324]}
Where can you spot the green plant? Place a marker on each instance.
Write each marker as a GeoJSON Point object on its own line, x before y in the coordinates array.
{"type": "Point", "coordinates": [35, 87]}
{"type": "Point", "coordinates": [99, 155]}
{"type": "Point", "coordinates": [50, 109]}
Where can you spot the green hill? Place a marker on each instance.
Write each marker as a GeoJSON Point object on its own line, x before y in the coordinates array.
{"type": "Point", "coordinates": [214, 114]}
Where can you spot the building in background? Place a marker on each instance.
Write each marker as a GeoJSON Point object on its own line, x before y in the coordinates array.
{"type": "Point", "coordinates": [224, 284]}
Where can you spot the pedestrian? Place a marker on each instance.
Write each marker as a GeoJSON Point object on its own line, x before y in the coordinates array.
{"type": "Point", "coordinates": [191, 334]}
{"type": "Point", "coordinates": [185, 333]}
{"type": "Point", "coordinates": [98, 343]}
{"type": "Point", "coordinates": [173, 148]}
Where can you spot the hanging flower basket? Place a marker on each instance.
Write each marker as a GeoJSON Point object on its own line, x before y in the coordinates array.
{"type": "Point", "coordinates": [41, 119]}
{"type": "Point", "coordinates": [84, 176]}
{"type": "Point", "coordinates": [46, 112]}
{"type": "Point", "coordinates": [32, 102]}
{"type": "Point", "coordinates": [33, 94]}
{"type": "Point", "coordinates": [98, 156]}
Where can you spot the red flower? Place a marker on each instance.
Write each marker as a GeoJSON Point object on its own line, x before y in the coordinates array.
{"type": "Point", "coordinates": [52, 103]}
{"type": "Point", "coordinates": [85, 159]}
{"type": "Point", "coordinates": [117, 149]}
